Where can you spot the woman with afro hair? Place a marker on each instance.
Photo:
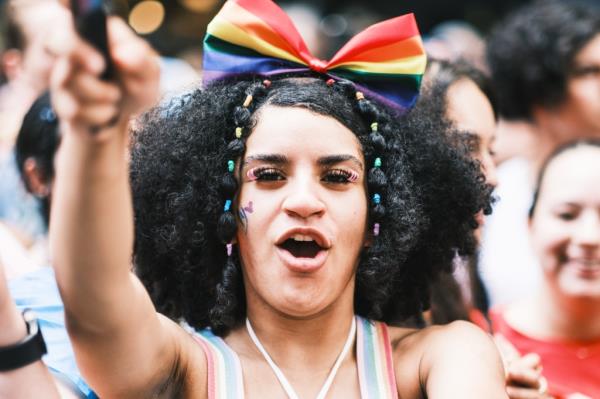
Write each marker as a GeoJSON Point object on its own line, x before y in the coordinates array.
{"type": "Point", "coordinates": [284, 228]}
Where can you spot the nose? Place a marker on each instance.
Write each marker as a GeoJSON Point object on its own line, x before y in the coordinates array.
{"type": "Point", "coordinates": [489, 169]}
{"type": "Point", "coordinates": [587, 232]}
{"type": "Point", "coordinates": [303, 200]}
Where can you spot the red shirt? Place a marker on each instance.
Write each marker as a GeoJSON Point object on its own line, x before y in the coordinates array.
{"type": "Point", "coordinates": [572, 368]}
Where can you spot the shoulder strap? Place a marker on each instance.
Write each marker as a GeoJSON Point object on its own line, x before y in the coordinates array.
{"type": "Point", "coordinates": [225, 380]}
{"type": "Point", "coordinates": [374, 358]}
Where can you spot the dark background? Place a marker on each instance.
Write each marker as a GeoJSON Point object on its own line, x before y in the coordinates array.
{"type": "Point", "coordinates": [183, 29]}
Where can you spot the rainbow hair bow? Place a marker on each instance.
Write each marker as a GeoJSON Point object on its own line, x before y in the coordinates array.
{"type": "Point", "coordinates": [255, 37]}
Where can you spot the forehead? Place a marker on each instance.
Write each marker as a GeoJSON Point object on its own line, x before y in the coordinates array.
{"type": "Point", "coordinates": [296, 131]}
{"type": "Point", "coordinates": [36, 16]}
{"type": "Point", "coordinates": [573, 176]}
{"type": "Point", "coordinates": [470, 109]}
{"type": "Point", "coordinates": [590, 53]}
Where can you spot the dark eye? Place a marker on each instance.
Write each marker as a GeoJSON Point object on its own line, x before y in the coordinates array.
{"type": "Point", "coordinates": [584, 71]}
{"type": "Point", "coordinates": [567, 216]}
{"type": "Point", "coordinates": [268, 174]}
{"type": "Point", "coordinates": [338, 176]}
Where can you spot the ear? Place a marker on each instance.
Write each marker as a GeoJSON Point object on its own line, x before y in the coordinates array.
{"type": "Point", "coordinates": [11, 62]}
{"type": "Point", "coordinates": [34, 180]}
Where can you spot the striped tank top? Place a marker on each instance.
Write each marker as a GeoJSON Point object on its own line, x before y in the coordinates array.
{"type": "Point", "coordinates": [374, 361]}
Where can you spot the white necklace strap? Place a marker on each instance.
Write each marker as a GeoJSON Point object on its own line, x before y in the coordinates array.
{"type": "Point", "coordinates": [289, 390]}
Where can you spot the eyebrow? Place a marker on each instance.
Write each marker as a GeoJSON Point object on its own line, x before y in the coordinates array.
{"type": "Point", "coordinates": [278, 159]}
{"type": "Point", "coordinates": [330, 160]}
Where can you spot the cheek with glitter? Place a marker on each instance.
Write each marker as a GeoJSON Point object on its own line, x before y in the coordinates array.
{"type": "Point", "coordinates": [243, 214]}
{"type": "Point", "coordinates": [353, 176]}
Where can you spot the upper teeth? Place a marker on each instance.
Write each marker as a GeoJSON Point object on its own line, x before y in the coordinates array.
{"type": "Point", "coordinates": [589, 262]}
{"type": "Point", "coordinates": [301, 237]}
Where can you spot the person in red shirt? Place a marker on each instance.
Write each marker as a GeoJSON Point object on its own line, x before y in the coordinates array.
{"type": "Point", "coordinates": [560, 322]}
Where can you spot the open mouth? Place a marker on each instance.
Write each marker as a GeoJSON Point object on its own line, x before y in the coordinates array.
{"type": "Point", "coordinates": [301, 247]}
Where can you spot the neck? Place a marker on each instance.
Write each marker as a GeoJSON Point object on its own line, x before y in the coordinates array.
{"type": "Point", "coordinates": [300, 344]}
{"type": "Point", "coordinates": [570, 318]}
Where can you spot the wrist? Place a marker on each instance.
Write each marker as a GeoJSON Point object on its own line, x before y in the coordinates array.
{"type": "Point", "coordinates": [12, 327]}
{"type": "Point", "coordinates": [27, 350]}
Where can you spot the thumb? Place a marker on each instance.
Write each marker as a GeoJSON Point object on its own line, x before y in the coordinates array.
{"type": "Point", "coordinates": [507, 350]}
{"type": "Point", "coordinates": [129, 52]}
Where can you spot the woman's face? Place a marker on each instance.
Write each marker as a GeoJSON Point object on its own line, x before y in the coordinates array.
{"type": "Point", "coordinates": [470, 111]}
{"type": "Point", "coordinates": [565, 228]}
{"type": "Point", "coordinates": [303, 212]}
{"type": "Point", "coordinates": [581, 107]}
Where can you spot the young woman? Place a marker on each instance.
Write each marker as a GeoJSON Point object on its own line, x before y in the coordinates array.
{"type": "Point", "coordinates": [288, 222]}
{"type": "Point", "coordinates": [561, 321]}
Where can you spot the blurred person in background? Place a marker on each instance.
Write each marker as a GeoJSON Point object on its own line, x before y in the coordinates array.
{"type": "Point", "coordinates": [22, 373]}
{"type": "Point", "coordinates": [457, 40]}
{"type": "Point", "coordinates": [544, 60]}
{"type": "Point", "coordinates": [560, 321]}
{"type": "Point", "coordinates": [24, 63]}
{"type": "Point", "coordinates": [36, 146]}
{"type": "Point", "coordinates": [24, 68]}
{"type": "Point", "coordinates": [465, 95]}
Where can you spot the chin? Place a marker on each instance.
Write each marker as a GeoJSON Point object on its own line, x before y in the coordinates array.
{"type": "Point", "coordinates": [301, 306]}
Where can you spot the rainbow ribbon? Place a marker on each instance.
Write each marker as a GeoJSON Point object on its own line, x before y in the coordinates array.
{"type": "Point", "coordinates": [255, 37]}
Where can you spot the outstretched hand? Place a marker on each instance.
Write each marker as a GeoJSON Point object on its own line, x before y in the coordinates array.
{"type": "Point", "coordinates": [83, 102]}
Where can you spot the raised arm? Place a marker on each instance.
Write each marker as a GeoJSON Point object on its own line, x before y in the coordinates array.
{"type": "Point", "coordinates": [123, 347]}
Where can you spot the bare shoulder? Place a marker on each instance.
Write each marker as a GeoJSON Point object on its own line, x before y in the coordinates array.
{"type": "Point", "coordinates": [188, 375]}
{"type": "Point", "coordinates": [455, 360]}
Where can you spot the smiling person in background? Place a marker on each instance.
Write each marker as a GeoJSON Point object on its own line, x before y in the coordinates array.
{"type": "Point", "coordinates": [544, 60]}
{"type": "Point", "coordinates": [561, 320]}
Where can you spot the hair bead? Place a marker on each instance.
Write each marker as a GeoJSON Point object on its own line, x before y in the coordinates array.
{"type": "Point", "coordinates": [330, 82]}
{"type": "Point", "coordinates": [227, 206]}
{"type": "Point", "coordinates": [374, 126]}
{"type": "Point", "coordinates": [267, 83]}
{"type": "Point", "coordinates": [47, 115]}
{"type": "Point", "coordinates": [238, 132]}
{"type": "Point", "coordinates": [229, 249]}
{"type": "Point", "coordinates": [376, 229]}
{"type": "Point", "coordinates": [230, 165]}
{"type": "Point", "coordinates": [377, 163]}
{"type": "Point", "coordinates": [376, 198]}
{"type": "Point", "coordinates": [247, 101]}
{"type": "Point", "coordinates": [360, 95]}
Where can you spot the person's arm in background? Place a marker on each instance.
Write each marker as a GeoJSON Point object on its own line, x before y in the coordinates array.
{"type": "Point", "coordinates": [32, 380]}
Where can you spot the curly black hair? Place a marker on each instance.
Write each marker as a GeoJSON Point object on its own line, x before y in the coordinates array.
{"type": "Point", "coordinates": [430, 192]}
{"type": "Point", "coordinates": [531, 53]}
{"type": "Point", "coordinates": [39, 138]}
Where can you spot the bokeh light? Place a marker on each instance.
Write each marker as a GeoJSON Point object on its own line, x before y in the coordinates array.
{"type": "Point", "coordinates": [147, 16]}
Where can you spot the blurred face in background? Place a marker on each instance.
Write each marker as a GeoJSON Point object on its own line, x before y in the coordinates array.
{"type": "Point", "coordinates": [578, 116]}
{"type": "Point", "coordinates": [471, 111]}
{"type": "Point", "coordinates": [565, 226]}
{"type": "Point", "coordinates": [36, 18]}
